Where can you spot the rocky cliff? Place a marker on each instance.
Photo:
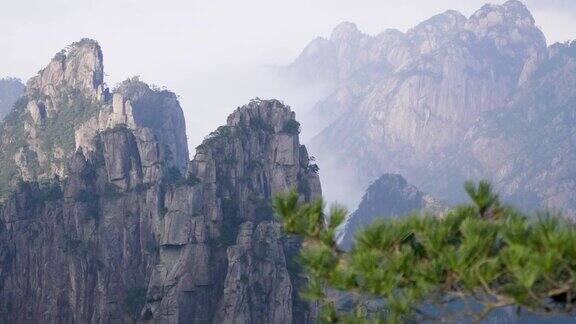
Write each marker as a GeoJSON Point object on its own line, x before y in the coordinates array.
{"type": "Point", "coordinates": [122, 237]}
{"type": "Point", "coordinates": [78, 67]}
{"type": "Point", "coordinates": [387, 197]}
{"type": "Point", "coordinates": [105, 219]}
{"type": "Point", "coordinates": [528, 145]}
{"type": "Point", "coordinates": [11, 90]}
{"type": "Point", "coordinates": [67, 104]}
{"type": "Point", "coordinates": [409, 103]}
{"type": "Point", "coordinates": [224, 258]}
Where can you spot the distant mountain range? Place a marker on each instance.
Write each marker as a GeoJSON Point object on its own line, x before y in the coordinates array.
{"type": "Point", "coordinates": [453, 98]}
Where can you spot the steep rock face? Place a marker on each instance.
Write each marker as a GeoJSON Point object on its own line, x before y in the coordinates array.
{"type": "Point", "coordinates": [137, 106]}
{"type": "Point", "coordinates": [79, 66]}
{"type": "Point", "coordinates": [67, 104]}
{"type": "Point", "coordinates": [227, 230]}
{"type": "Point", "coordinates": [348, 51]}
{"type": "Point", "coordinates": [76, 251]}
{"type": "Point", "coordinates": [389, 196]}
{"type": "Point", "coordinates": [413, 100]}
{"type": "Point", "coordinates": [11, 90]}
{"type": "Point", "coordinates": [122, 239]}
{"type": "Point", "coordinates": [442, 89]}
{"type": "Point", "coordinates": [37, 137]}
{"type": "Point", "coordinates": [528, 146]}
{"type": "Point", "coordinates": [158, 110]}
{"type": "Point", "coordinates": [344, 43]}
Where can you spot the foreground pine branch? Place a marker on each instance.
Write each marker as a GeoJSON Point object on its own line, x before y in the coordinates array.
{"type": "Point", "coordinates": [482, 256]}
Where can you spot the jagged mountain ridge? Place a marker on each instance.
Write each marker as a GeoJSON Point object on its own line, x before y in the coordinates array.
{"type": "Point", "coordinates": [67, 103]}
{"type": "Point", "coordinates": [11, 90]}
{"type": "Point", "coordinates": [126, 234]}
{"type": "Point", "coordinates": [410, 103]}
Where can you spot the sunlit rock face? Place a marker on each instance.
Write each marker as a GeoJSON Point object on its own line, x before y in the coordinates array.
{"type": "Point", "coordinates": [414, 103]}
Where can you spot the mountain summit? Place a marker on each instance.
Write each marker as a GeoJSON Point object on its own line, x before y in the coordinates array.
{"type": "Point", "coordinates": [344, 32]}
{"type": "Point", "coordinates": [80, 66]}
{"type": "Point", "coordinates": [108, 221]}
{"type": "Point", "coordinates": [68, 103]}
{"type": "Point", "coordinates": [453, 98]}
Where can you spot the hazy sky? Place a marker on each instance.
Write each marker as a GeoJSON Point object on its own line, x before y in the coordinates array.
{"type": "Point", "coordinates": [209, 51]}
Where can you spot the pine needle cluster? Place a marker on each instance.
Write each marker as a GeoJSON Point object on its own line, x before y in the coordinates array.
{"type": "Point", "coordinates": [462, 264]}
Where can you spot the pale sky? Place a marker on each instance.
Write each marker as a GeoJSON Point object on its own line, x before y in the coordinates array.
{"type": "Point", "coordinates": [209, 52]}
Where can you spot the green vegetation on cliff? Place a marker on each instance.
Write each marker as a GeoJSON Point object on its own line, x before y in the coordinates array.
{"type": "Point", "coordinates": [41, 148]}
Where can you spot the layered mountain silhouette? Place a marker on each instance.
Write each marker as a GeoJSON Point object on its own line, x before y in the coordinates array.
{"type": "Point", "coordinates": [451, 99]}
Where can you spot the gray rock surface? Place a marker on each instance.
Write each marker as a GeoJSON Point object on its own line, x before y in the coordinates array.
{"type": "Point", "coordinates": [62, 96]}
{"type": "Point", "coordinates": [160, 111]}
{"type": "Point", "coordinates": [528, 145]}
{"type": "Point", "coordinates": [79, 66]}
{"type": "Point", "coordinates": [67, 104]}
{"type": "Point", "coordinates": [123, 237]}
{"type": "Point", "coordinates": [431, 104]}
{"type": "Point", "coordinates": [226, 223]}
